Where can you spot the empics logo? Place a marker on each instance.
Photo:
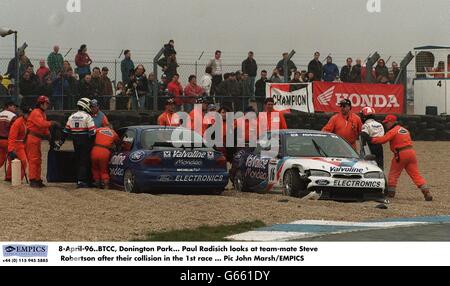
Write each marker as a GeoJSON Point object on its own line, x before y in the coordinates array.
{"type": "Point", "coordinates": [25, 250]}
{"type": "Point", "coordinates": [374, 6]}
{"type": "Point", "coordinates": [325, 97]}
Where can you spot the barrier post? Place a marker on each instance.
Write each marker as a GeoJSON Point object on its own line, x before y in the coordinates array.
{"type": "Point", "coordinates": [155, 80]}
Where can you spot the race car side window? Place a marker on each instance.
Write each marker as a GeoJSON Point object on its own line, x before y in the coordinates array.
{"type": "Point", "coordinates": [127, 140]}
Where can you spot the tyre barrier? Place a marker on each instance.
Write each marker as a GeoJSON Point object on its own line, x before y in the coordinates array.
{"type": "Point", "coordinates": [422, 128]}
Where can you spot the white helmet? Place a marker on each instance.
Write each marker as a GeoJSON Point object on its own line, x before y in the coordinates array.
{"type": "Point", "coordinates": [85, 104]}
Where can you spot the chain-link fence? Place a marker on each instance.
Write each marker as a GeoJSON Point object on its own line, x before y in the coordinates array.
{"type": "Point", "coordinates": [185, 69]}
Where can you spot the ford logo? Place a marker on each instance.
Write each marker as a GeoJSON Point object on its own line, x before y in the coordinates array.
{"type": "Point", "coordinates": [322, 182]}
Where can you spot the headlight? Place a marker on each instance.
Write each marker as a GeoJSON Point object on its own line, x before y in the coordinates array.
{"type": "Point", "coordinates": [319, 173]}
{"type": "Point", "coordinates": [374, 175]}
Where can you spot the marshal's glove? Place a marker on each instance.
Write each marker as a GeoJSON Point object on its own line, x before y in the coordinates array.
{"type": "Point", "coordinates": [58, 145]}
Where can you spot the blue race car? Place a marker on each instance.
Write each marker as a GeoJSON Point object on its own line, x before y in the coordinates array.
{"type": "Point", "coordinates": [159, 158]}
{"type": "Point", "coordinates": [307, 162]}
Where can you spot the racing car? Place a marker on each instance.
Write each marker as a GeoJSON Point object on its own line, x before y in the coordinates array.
{"type": "Point", "coordinates": [155, 158]}
{"type": "Point", "coordinates": [307, 162]}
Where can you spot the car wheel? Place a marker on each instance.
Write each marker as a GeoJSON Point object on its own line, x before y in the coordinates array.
{"type": "Point", "coordinates": [293, 185]}
{"type": "Point", "coordinates": [129, 182]}
{"type": "Point", "coordinates": [238, 182]}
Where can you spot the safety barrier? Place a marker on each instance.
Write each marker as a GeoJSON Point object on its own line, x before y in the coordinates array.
{"type": "Point", "coordinates": [422, 128]}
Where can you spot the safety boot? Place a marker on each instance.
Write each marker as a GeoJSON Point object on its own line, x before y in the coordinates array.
{"type": "Point", "coordinates": [426, 193]}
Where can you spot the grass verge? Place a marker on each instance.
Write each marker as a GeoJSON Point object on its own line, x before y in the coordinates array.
{"type": "Point", "coordinates": [204, 233]}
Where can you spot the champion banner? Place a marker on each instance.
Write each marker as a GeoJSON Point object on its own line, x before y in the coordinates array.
{"type": "Point", "coordinates": [297, 96]}
{"type": "Point", "coordinates": [385, 98]}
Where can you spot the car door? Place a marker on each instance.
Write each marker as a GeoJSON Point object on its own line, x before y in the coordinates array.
{"type": "Point", "coordinates": [119, 160]}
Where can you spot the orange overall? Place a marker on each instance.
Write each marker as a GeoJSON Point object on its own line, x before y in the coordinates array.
{"type": "Point", "coordinates": [348, 128]}
{"type": "Point", "coordinates": [16, 143]}
{"type": "Point", "coordinates": [169, 119]}
{"type": "Point", "coordinates": [404, 156]}
{"type": "Point", "coordinates": [104, 141]}
{"type": "Point", "coordinates": [38, 128]}
{"type": "Point", "coordinates": [197, 121]}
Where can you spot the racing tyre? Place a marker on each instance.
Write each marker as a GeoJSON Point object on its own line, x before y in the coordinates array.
{"type": "Point", "coordinates": [238, 182]}
{"type": "Point", "coordinates": [292, 184]}
{"type": "Point", "coordinates": [129, 182]}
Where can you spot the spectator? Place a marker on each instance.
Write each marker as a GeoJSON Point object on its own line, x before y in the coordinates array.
{"type": "Point", "coordinates": [60, 86]}
{"type": "Point", "coordinates": [296, 81]}
{"type": "Point", "coordinates": [330, 70]}
{"type": "Point", "coordinates": [100, 119]}
{"type": "Point", "coordinates": [176, 90]}
{"type": "Point", "coordinates": [291, 67]}
{"type": "Point", "coordinates": [217, 70]}
{"type": "Point", "coordinates": [315, 67]}
{"type": "Point", "coordinates": [439, 72]}
{"type": "Point", "coordinates": [126, 66]}
{"type": "Point", "coordinates": [260, 89]}
{"type": "Point", "coordinates": [141, 89]}
{"type": "Point", "coordinates": [106, 87]}
{"type": "Point", "coordinates": [42, 71]}
{"type": "Point", "coordinates": [355, 73]}
{"type": "Point", "coordinates": [96, 80]}
{"type": "Point", "coordinates": [381, 72]}
{"type": "Point", "coordinates": [86, 88]}
{"type": "Point", "coordinates": [67, 66]}
{"type": "Point", "coordinates": [27, 86]}
{"type": "Point", "coordinates": [24, 62]}
{"type": "Point", "coordinates": [72, 89]}
{"type": "Point", "coordinates": [250, 68]}
{"type": "Point", "coordinates": [395, 70]}
{"type": "Point", "coordinates": [230, 92]}
{"type": "Point", "coordinates": [151, 83]}
{"type": "Point", "coordinates": [245, 92]}
{"type": "Point", "coordinates": [172, 66]}
{"type": "Point", "coordinates": [169, 49]}
{"type": "Point", "coordinates": [192, 90]}
{"type": "Point", "coordinates": [308, 77]}
{"type": "Point", "coordinates": [275, 78]}
{"type": "Point", "coordinates": [55, 62]}
{"type": "Point", "coordinates": [47, 87]}
{"type": "Point", "coordinates": [206, 81]}
{"type": "Point", "coordinates": [33, 76]}
{"type": "Point", "coordinates": [346, 71]}
{"type": "Point", "coordinates": [121, 97]}
{"type": "Point", "coordinates": [163, 93]}
{"type": "Point", "coordinates": [83, 62]}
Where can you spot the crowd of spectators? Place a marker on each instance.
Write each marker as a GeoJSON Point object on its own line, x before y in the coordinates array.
{"type": "Point", "coordinates": [64, 84]}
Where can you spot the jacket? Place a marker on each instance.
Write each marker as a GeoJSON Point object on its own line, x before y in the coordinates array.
{"type": "Point", "coordinates": [249, 67]}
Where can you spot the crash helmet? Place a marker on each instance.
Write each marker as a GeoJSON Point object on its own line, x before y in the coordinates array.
{"type": "Point", "coordinates": [42, 99]}
{"type": "Point", "coordinates": [366, 111]}
{"type": "Point", "coordinates": [84, 104]}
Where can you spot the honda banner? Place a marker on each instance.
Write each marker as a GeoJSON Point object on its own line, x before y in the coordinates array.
{"type": "Point", "coordinates": [296, 96]}
{"type": "Point", "coordinates": [385, 98]}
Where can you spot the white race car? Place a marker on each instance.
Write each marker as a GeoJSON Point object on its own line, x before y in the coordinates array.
{"type": "Point", "coordinates": [308, 162]}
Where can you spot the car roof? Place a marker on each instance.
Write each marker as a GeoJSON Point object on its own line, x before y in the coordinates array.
{"type": "Point", "coordinates": [302, 131]}
{"type": "Point", "coordinates": [145, 127]}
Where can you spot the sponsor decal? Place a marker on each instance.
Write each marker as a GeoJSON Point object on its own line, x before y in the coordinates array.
{"type": "Point", "coordinates": [167, 154]}
{"type": "Point", "coordinates": [25, 250]}
{"type": "Point", "coordinates": [210, 155]}
{"type": "Point", "coordinates": [383, 98]}
{"type": "Point", "coordinates": [117, 171]}
{"type": "Point", "coordinates": [199, 178]}
{"type": "Point", "coordinates": [183, 162]}
{"type": "Point", "coordinates": [117, 159]}
{"type": "Point", "coordinates": [106, 132]}
{"type": "Point", "coordinates": [256, 174]}
{"type": "Point", "coordinates": [326, 96]}
{"type": "Point", "coordinates": [299, 99]}
{"type": "Point", "coordinates": [343, 169]}
{"type": "Point", "coordinates": [314, 135]}
{"type": "Point", "coordinates": [189, 154]}
{"type": "Point", "coordinates": [164, 178]}
{"type": "Point", "coordinates": [322, 182]}
{"type": "Point", "coordinates": [357, 184]}
{"type": "Point", "coordinates": [137, 156]}
{"type": "Point", "coordinates": [256, 162]}
{"type": "Point", "coordinates": [189, 170]}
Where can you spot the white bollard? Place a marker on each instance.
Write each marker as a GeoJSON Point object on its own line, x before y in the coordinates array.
{"type": "Point", "coordinates": [16, 173]}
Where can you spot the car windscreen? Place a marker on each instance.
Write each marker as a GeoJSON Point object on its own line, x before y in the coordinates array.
{"type": "Point", "coordinates": [318, 145]}
{"type": "Point", "coordinates": [170, 138]}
